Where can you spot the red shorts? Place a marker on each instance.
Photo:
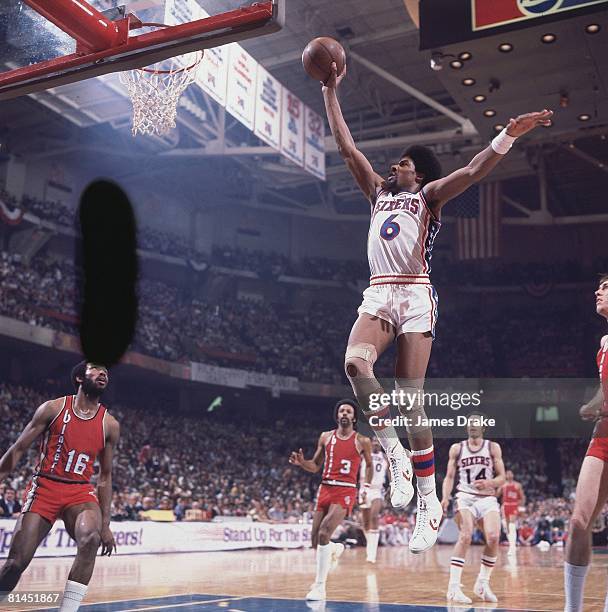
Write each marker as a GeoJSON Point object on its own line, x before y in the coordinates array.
{"type": "Point", "coordinates": [334, 494]}
{"type": "Point", "coordinates": [510, 510]}
{"type": "Point", "coordinates": [598, 447]}
{"type": "Point", "coordinates": [50, 498]}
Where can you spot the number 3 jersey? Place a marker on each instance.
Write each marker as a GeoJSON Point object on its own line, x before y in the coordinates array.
{"type": "Point", "coordinates": [400, 240]}
{"type": "Point", "coordinates": [71, 444]}
{"type": "Point", "coordinates": [474, 465]}
{"type": "Point", "coordinates": [342, 460]}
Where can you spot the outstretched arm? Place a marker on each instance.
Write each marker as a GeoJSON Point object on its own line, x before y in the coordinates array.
{"type": "Point", "coordinates": [437, 193]}
{"type": "Point", "coordinates": [357, 163]}
{"type": "Point", "coordinates": [42, 417]}
{"type": "Point", "coordinates": [310, 465]}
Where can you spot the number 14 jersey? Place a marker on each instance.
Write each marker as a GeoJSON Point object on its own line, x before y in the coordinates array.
{"type": "Point", "coordinates": [474, 465]}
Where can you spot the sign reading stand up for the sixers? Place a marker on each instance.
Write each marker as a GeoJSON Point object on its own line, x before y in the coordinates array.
{"type": "Point", "coordinates": [496, 13]}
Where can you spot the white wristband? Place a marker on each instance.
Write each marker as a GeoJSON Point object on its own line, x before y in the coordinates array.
{"type": "Point", "coordinates": [503, 142]}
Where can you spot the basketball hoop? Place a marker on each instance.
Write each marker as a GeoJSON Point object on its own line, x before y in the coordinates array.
{"type": "Point", "coordinates": [155, 90]}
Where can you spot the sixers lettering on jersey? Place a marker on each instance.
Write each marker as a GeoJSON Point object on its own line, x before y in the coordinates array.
{"type": "Point", "coordinates": [71, 444]}
{"type": "Point", "coordinates": [342, 460]}
{"type": "Point", "coordinates": [401, 235]}
{"type": "Point", "coordinates": [492, 14]}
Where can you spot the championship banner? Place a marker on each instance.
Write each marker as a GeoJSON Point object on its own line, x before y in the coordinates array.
{"type": "Point", "coordinates": [292, 128]}
{"type": "Point", "coordinates": [314, 143]}
{"type": "Point", "coordinates": [242, 74]}
{"type": "Point", "coordinates": [268, 108]}
{"type": "Point", "coordinates": [137, 537]}
{"type": "Point", "coordinates": [492, 14]}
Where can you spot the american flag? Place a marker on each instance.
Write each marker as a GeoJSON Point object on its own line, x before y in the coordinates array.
{"type": "Point", "coordinates": [478, 213]}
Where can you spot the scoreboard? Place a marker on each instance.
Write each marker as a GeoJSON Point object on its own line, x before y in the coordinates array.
{"type": "Point", "coordinates": [444, 22]}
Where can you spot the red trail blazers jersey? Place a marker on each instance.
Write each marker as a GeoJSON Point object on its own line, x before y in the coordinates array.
{"type": "Point", "coordinates": [71, 444]}
{"type": "Point", "coordinates": [342, 460]}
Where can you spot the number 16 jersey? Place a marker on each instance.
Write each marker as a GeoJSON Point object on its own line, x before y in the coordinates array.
{"type": "Point", "coordinates": [70, 444]}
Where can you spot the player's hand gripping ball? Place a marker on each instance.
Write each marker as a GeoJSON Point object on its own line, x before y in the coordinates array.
{"type": "Point", "coordinates": [319, 55]}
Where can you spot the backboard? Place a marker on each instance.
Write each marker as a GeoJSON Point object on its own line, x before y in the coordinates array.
{"type": "Point", "coordinates": [47, 43]}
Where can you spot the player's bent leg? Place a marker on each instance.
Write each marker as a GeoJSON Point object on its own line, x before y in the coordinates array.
{"type": "Point", "coordinates": [491, 531]}
{"type": "Point", "coordinates": [591, 494]}
{"type": "Point", "coordinates": [369, 338]}
{"type": "Point", "coordinates": [465, 521]}
{"type": "Point", "coordinates": [30, 530]}
{"type": "Point", "coordinates": [328, 553]}
{"type": "Point", "coordinates": [83, 524]}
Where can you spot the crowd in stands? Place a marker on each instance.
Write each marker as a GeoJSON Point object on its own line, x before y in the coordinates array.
{"type": "Point", "coordinates": [269, 338]}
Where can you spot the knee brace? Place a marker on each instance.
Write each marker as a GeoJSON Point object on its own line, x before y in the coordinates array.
{"type": "Point", "coordinates": [359, 366]}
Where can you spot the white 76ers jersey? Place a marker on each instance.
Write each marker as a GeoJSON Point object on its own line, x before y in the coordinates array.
{"type": "Point", "coordinates": [474, 465]}
{"type": "Point", "coordinates": [379, 467]}
{"type": "Point", "coordinates": [401, 235]}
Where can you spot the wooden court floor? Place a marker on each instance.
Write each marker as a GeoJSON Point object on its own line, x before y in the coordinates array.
{"type": "Point", "coordinates": [248, 581]}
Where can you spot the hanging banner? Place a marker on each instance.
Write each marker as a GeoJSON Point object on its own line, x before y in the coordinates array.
{"type": "Point", "coordinates": [212, 75]}
{"type": "Point", "coordinates": [268, 109]}
{"type": "Point", "coordinates": [242, 73]}
{"type": "Point", "coordinates": [292, 128]}
{"type": "Point", "coordinates": [314, 143]}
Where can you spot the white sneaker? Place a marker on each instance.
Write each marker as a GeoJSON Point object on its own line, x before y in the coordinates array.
{"type": "Point", "coordinates": [484, 592]}
{"type": "Point", "coordinates": [317, 592]}
{"type": "Point", "coordinates": [401, 470]}
{"type": "Point", "coordinates": [428, 520]}
{"type": "Point", "coordinates": [336, 552]}
{"type": "Point", "coordinates": [455, 595]}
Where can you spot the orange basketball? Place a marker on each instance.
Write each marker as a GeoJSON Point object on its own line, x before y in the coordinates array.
{"type": "Point", "coordinates": [319, 55]}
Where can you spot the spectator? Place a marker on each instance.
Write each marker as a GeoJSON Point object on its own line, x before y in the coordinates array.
{"type": "Point", "coordinates": [9, 505]}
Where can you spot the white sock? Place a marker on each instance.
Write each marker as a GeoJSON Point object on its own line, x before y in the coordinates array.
{"type": "Point", "coordinates": [574, 586]}
{"type": "Point", "coordinates": [372, 537]}
{"type": "Point", "coordinates": [72, 596]}
{"type": "Point", "coordinates": [456, 567]}
{"type": "Point", "coordinates": [323, 559]}
{"type": "Point", "coordinates": [424, 462]}
{"type": "Point", "coordinates": [512, 535]}
{"type": "Point", "coordinates": [486, 567]}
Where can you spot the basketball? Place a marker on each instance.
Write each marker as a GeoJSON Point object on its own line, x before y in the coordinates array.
{"type": "Point", "coordinates": [319, 55]}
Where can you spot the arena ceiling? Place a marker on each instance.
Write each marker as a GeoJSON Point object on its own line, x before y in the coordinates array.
{"type": "Point", "coordinates": [391, 98]}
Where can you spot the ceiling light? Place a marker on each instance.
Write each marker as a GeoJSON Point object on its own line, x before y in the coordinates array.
{"type": "Point", "coordinates": [499, 127]}
{"type": "Point", "coordinates": [456, 64]}
{"type": "Point", "coordinates": [465, 55]}
{"type": "Point", "coordinates": [489, 112]}
{"type": "Point", "coordinates": [505, 47]}
{"type": "Point", "coordinates": [584, 117]}
{"type": "Point", "coordinates": [468, 81]}
{"type": "Point", "coordinates": [479, 98]}
{"type": "Point", "coordinates": [548, 38]}
{"type": "Point", "coordinates": [593, 28]}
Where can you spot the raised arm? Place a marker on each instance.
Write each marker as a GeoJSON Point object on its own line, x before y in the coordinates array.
{"type": "Point", "coordinates": [104, 484]}
{"type": "Point", "coordinates": [357, 163]}
{"type": "Point", "coordinates": [310, 465]}
{"type": "Point", "coordinates": [43, 416]}
{"type": "Point", "coordinates": [438, 192]}
{"type": "Point", "coordinates": [450, 475]}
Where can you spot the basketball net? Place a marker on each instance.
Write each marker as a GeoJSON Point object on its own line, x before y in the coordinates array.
{"type": "Point", "coordinates": [155, 92]}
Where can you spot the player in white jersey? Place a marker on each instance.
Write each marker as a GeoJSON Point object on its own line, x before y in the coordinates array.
{"type": "Point", "coordinates": [400, 304]}
{"type": "Point", "coordinates": [371, 498]}
{"type": "Point", "coordinates": [481, 472]}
